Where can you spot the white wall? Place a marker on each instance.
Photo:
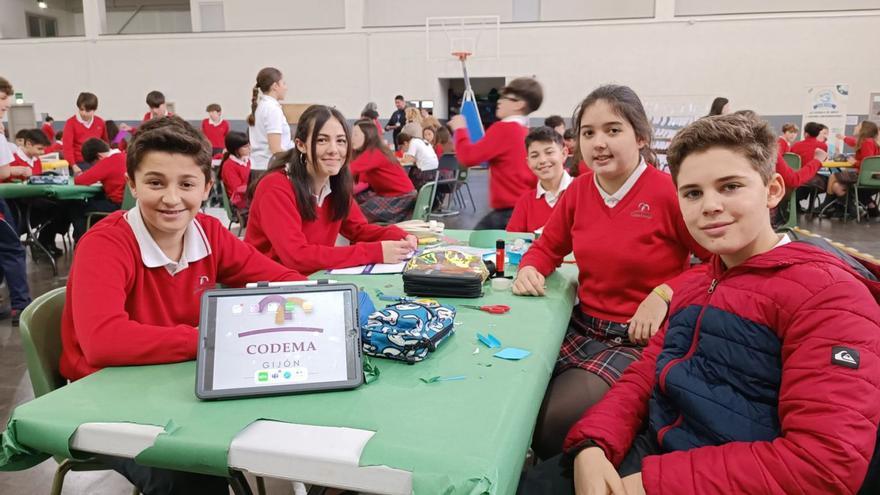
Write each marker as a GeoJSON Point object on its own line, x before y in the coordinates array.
{"type": "Point", "coordinates": [245, 15]}
{"type": "Point", "coordinates": [743, 59]}
{"type": "Point", "coordinates": [13, 24]}
{"type": "Point", "coordinates": [413, 13]}
{"type": "Point", "coordinates": [145, 22]}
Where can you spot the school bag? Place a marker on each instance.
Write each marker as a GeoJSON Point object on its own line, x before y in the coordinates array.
{"type": "Point", "coordinates": [407, 331]}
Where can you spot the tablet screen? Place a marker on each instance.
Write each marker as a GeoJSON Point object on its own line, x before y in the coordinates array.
{"type": "Point", "coordinates": [281, 339]}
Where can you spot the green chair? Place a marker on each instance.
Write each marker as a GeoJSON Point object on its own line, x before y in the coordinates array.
{"type": "Point", "coordinates": [425, 198]}
{"type": "Point", "coordinates": [40, 329]}
{"type": "Point", "coordinates": [794, 161]}
{"type": "Point", "coordinates": [462, 182]}
{"type": "Point", "coordinates": [869, 178]}
{"type": "Point", "coordinates": [232, 214]}
{"type": "Point", "coordinates": [128, 203]}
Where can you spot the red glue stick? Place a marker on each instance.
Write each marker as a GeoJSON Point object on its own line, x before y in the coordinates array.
{"type": "Point", "coordinates": [499, 258]}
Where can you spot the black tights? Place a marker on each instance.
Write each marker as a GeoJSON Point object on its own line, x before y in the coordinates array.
{"type": "Point", "coordinates": [568, 396]}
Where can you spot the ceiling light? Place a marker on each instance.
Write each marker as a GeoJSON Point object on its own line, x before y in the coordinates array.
{"type": "Point", "coordinates": [41, 4]}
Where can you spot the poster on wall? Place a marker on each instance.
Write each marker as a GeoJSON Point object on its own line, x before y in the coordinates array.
{"type": "Point", "coordinates": [826, 104]}
{"type": "Point", "coordinates": [874, 107]}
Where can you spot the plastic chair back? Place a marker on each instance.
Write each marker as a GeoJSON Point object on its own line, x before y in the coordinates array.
{"type": "Point", "coordinates": [128, 200]}
{"type": "Point", "coordinates": [425, 198]}
{"type": "Point", "coordinates": [40, 329]}
{"type": "Point", "coordinates": [869, 173]}
{"type": "Point", "coordinates": [793, 160]}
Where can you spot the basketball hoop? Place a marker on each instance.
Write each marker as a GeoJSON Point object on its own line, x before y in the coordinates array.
{"type": "Point", "coordinates": [461, 55]}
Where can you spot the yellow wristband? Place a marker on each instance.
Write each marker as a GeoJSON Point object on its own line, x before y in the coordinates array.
{"type": "Point", "coordinates": [663, 294]}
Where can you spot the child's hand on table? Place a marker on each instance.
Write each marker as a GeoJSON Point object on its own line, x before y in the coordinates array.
{"type": "Point", "coordinates": [529, 282]}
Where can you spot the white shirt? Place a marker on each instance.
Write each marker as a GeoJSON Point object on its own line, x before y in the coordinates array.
{"type": "Point", "coordinates": [611, 200]}
{"type": "Point", "coordinates": [424, 154]}
{"type": "Point", "coordinates": [268, 119]}
{"type": "Point", "coordinates": [83, 122]}
{"type": "Point", "coordinates": [30, 161]}
{"type": "Point", "coordinates": [5, 151]}
{"type": "Point", "coordinates": [782, 242]}
{"type": "Point", "coordinates": [549, 196]}
{"type": "Point", "coordinates": [195, 244]}
{"type": "Point", "coordinates": [322, 195]}
{"type": "Point", "coordinates": [215, 124]}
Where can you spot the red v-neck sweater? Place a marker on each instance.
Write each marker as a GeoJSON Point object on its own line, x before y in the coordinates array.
{"type": "Point", "coordinates": [622, 252]}
{"type": "Point", "coordinates": [119, 312]}
{"type": "Point", "coordinates": [277, 230]}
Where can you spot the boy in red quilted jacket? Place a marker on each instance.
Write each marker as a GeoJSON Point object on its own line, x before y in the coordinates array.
{"type": "Point", "coordinates": [765, 378]}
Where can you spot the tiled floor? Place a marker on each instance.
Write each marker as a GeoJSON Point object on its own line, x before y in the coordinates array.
{"type": "Point", "coordinates": [15, 386]}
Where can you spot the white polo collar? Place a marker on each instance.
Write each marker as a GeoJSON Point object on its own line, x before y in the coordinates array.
{"type": "Point", "coordinates": [783, 241]}
{"type": "Point", "coordinates": [550, 196]}
{"type": "Point", "coordinates": [20, 153]}
{"type": "Point", "coordinates": [113, 151]}
{"type": "Point", "coordinates": [519, 119]}
{"type": "Point", "coordinates": [321, 196]}
{"type": "Point", "coordinates": [243, 163]}
{"type": "Point", "coordinates": [215, 124]}
{"type": "Point", "coordinates": [88, 124]}
{"type": "Point", "coordinates": [195, 244]}
{"type": "Point", "coordinates": [611, 200]}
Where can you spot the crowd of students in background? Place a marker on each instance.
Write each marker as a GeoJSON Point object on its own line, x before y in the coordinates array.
{"type": "Point", "coordinates": [667, 369]}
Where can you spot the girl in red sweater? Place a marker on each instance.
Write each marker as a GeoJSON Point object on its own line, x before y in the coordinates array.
{"type": "Point", "coordinates": [390, 194]}
{"type": "Point", "coordinates": [303, 203]}
{"type": "Point", "coordinates": [235, 169]}
{"type": "Point", "coordinates": [623, 224]}
{"type": "Point", "coordinates": [546, 154]}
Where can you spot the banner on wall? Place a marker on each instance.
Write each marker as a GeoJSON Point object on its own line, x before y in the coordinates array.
{"type": "Point", "coordinates": [827, 105]}
{"type": "Point", "coordinates": [874, 113]}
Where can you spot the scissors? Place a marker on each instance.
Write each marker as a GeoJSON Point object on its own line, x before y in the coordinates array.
{"type": "Point", "coordinates": [495, 309]}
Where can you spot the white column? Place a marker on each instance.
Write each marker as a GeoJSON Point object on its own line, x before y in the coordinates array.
{"type": "Point", "coordinates": [195, 15]}
{"type": "Point", "coordinates": [664, 9]}
{"type": "Point", "coordinates": [94, 18]}
{"type": "Point", "coordinates": [354, 15]}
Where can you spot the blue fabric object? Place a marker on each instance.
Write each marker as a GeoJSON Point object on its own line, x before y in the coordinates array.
{"type": "Point", "coordinates": [471, 115]}
{"type": "Point", "coordinates": [731, 381]}
{"type": "Point", "coordinates": [365, 308]}
{"type": "Point", "coordinates": [407, 331]}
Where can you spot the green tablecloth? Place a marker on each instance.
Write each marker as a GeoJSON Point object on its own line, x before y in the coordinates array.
{"type": "Point", "coordinates": [467, 436]}
{"type": "Point", "coordinates": [22, 190]}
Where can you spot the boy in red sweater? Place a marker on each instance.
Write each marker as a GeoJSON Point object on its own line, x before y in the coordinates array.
{"type": "Point", "coordinates": [788, 137]}
{"type": "Point", "coordinates": [83, 126]}
{"type": "Point", "coordinates": [502, 147]}
{"type": "Point", "coordinates": [109, 170]}
{"type": "Point", "coordinates": [27, 158]}
{"type": "Point", "coordinates": [215, 128]}
{"type": "Point", "coordinates": [158, 109]}
{"type": "Point", "coordinates": [758, 383]}
{"type": "Point", "coordinates": [135, 283]}
{"type": "Point", "coordinates": [546, 159]}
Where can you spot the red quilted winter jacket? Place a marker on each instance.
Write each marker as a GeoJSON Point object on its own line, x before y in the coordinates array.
{"type": "Point", "coordinates": [812, 427]}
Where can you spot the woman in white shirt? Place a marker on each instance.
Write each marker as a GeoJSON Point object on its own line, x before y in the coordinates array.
{"type": "Point", "coordinates": [269, 130]}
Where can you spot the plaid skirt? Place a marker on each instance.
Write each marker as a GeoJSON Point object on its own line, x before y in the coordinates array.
{"type": "Point", "coordinates": [599, 346]}
{"type": "Point", "coordinates": [388, 209]}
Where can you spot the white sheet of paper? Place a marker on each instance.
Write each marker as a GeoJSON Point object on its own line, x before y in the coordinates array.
{"type": "Point", "coordinates": [378, 269]}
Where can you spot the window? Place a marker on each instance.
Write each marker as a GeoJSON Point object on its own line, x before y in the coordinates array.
{"type": "Point", "coordinates": [39, 26]}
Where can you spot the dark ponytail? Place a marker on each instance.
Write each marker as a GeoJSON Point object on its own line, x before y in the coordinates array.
{"type": "Point", "coordinates": [265, 79]}
{"type": "Point", "coordinates": [295, 163]}
{"type": "Point", "coordinates": [254, 96]}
